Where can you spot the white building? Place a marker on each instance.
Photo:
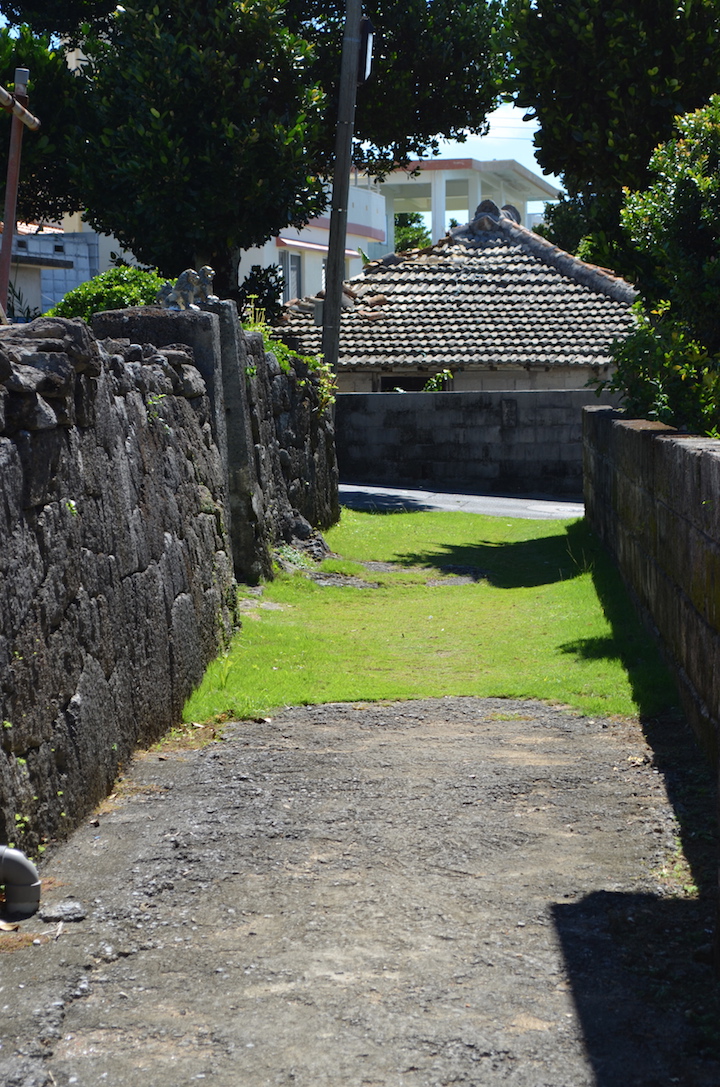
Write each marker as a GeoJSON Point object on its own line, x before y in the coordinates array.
{"type": "Point", "coordinates": [440, 188]}
{"type": "Point", "coordinates": [302, 254]}
{"type": "Point", "coordinates": [447, 188]}
{"type": "Point", "coordinates": [48, 263]}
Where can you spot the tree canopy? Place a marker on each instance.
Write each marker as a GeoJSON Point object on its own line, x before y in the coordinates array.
{"type": "Point", "coordinates": [670, 368]}
{"type": "Point", "coordinates": [199, 128]}
{"type": "Point", "coordinates": [46, 189]}
{"type": "Point", "coordinates": [195, 127]}
{"type": "Point", "coordinates": [605, 80]}
{"type": "Point", "coordinates": [63, 17]}
{"type": "Point", "coordinates": [437, 72]}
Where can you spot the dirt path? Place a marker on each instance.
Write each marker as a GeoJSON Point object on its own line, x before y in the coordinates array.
{"type": "Point", "coordinates": [405, 895]}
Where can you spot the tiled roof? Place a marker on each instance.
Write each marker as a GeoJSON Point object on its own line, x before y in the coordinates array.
{"type": "Point", "coordinates": [491, 294]}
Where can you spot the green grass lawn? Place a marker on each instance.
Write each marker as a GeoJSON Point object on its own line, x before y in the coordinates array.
{"type": "Point", "coordinates": [547, 617]}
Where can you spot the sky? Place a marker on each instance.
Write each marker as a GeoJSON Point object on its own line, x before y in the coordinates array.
{"type": "Point", "coordinates": [509, 138]}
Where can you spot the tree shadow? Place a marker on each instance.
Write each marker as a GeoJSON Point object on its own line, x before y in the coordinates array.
{"type": "Point", "coordinates": [643, 987]}
{"type": "Point", "coordinates": [511, 565]}
{"type": "Point", "coordinates": [382, 502]}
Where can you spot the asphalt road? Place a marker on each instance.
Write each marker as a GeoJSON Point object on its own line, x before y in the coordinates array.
{"type": "Point", "coordinates": [396, 499]}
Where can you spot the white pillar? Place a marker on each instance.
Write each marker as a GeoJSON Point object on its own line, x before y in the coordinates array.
{"type": "Point", "coordinates": [474, 194]}
{"type": "Point", "coordinates": [437, 204]}
{"type": "Point", "coordinates": [390, 223]}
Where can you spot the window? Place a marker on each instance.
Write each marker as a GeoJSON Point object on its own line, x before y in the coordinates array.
{"type": "Point", "coordinates": [291, 267]}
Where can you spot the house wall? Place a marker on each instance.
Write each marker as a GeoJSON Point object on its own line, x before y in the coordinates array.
{"type": "Point", "coordinates": [501, 441]}
{"type": "Point", "coordinates": [366, 225]}
{"type": "Point", "coordinates": [559, 377]}
{"type": "Point", "coordinates": [652, 495]}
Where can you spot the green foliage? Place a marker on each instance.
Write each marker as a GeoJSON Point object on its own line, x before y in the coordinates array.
{"type": "Point", "coordinates": [117, 288]}
{"type": "Point", "coordinates": [437, 70]}
{"type": "Point", "coordinates": [18, 309]}
{"type": "Point", "coordinates": [605, 79]}
{"type": "Point", "coordinates": [60, 17]}
{"type": "Point", "coordinates": [47, 189]}
{"type": "Point", "coordinates": [670, 368]}
{"type": "Point", "coordinates": [665, 374]}
{"type": "Point", "coordinates": [200, 117]}
{"type": "Point", "coordinates": [410, 231]}
{"type": "Point", "coordinates": [261, 289]}
{"type": "Point", "coordinates": [437, 382]}
{"type": "Point", "coordinates": [676, 222]}
{"type": "Point", "coordinates": [324, 377]}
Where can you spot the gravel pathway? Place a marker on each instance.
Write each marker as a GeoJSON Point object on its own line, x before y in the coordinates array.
{"type": "Point", "coordinates": [408, 895]}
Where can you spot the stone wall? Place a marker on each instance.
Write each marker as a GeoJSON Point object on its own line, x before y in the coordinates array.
{"type": "Point", "coordinates": [277, 445]}
{"type": "Point", "coordinates": [139, 472]}
{"type": "Point", "coordinates": [494, 441]}
{"type": "Point", "coordinates": [653, 497]}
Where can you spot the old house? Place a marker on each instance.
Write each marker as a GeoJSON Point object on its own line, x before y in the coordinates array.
{"type": "Point", "coordinates": [495, 304]}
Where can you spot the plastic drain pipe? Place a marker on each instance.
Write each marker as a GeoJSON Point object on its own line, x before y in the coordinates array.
{"type": "Point", "coordinates": [22, 884]}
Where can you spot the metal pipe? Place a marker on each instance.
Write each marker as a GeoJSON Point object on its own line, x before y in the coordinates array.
{"type": "Point", "coordinates": [22, 76]}
{"type": "Point", "coordinates": [10, 103]}
{"type": "Point", "coordinates": [22, 884]}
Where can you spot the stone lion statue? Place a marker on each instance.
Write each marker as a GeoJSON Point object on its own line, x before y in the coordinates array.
{"type": "Point", "coordinates": [190, 288]}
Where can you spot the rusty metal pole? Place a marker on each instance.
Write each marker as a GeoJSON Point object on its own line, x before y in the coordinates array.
{"type": "Point", "coordinates": [11, 189]}
{"type": "Point", "coordinates": [335, 269]}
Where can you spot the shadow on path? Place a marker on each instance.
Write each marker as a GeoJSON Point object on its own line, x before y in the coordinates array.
{"type": "Point", "coordinates": [639, 973]}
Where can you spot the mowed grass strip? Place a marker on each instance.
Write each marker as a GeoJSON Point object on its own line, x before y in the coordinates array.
{"type": "Point", "coordinates": [545, 616]}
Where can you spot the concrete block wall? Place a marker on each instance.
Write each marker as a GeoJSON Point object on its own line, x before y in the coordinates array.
{"type": "Point", "coordinates": [504, 441]}
{"type": "Point", "coordinates": [653, 497]}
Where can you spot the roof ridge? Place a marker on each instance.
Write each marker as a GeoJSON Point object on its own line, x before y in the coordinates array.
{"type": "Point", "coordinates": [589, 275]}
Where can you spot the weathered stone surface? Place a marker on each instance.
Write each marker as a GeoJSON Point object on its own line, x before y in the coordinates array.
{"type": "Point", "coordinates": [116, 562]}
{"type": "Point", "coordinates": [651, 495]}
{"type": "Point", "coordinates": [115, 585]}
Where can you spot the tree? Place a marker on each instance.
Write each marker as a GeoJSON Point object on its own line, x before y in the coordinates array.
{"type": "Point", "coordinates": [676, 222]}
{"type": "Point", "coordinates": [197, 121]}
{"type": "Point", "coordinates": [61, 17]}
{"type": "Point", "coordinates": [437, 72]}
{"type": "Point", "coordinates": [605, 79]}
{"type": "Point", "coordinates": [46, 189]}
{"type": "Point", "coordinates": [670, 368]}
{"type": "Point", "coordinates": [410, 231]}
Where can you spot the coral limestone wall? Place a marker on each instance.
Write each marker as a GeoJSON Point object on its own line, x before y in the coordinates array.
{"type": "Point", "coordinates": [141, 472]}
{"type": "Point", "coordinates": [116, 583]}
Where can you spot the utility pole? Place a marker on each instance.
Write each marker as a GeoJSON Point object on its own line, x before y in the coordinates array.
{"type": "Point", "coordinates": [15, 104]}
{"type": "Point", "coordinates": [335, 268]}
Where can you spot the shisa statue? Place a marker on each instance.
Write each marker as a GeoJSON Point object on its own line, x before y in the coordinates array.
{"type": "Point", "coordinates": [189, 288]}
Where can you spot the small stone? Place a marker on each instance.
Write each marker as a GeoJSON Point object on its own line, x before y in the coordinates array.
{"type": "Point", "coordinates": [70, 910]}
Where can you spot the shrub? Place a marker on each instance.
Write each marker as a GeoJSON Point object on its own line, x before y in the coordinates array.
{"type": "Point", "coordinates": [669, 369]}
{"type": "Point", "coordinates": [663, 373]}
{"type": "Point", "coordinates": [262, 290]}
{"type": "Point", "coordinates": [117, 288]}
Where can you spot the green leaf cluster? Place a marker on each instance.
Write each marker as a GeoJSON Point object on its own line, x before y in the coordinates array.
{"type": "Point", "coordinates": [410, 231]}
{"type": "Point", "coordinates": [195, 126]}
{"type": "Point", "coordinates": [47, 186]}
{"type": "Point", "coordinates": [605, 80]}
{"type": "Point", "coordinates": [670, 368]}
{"type": "Point", "coordinates": [117, 288]}
{"type": "Point", "coordinates": [438, 70]}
